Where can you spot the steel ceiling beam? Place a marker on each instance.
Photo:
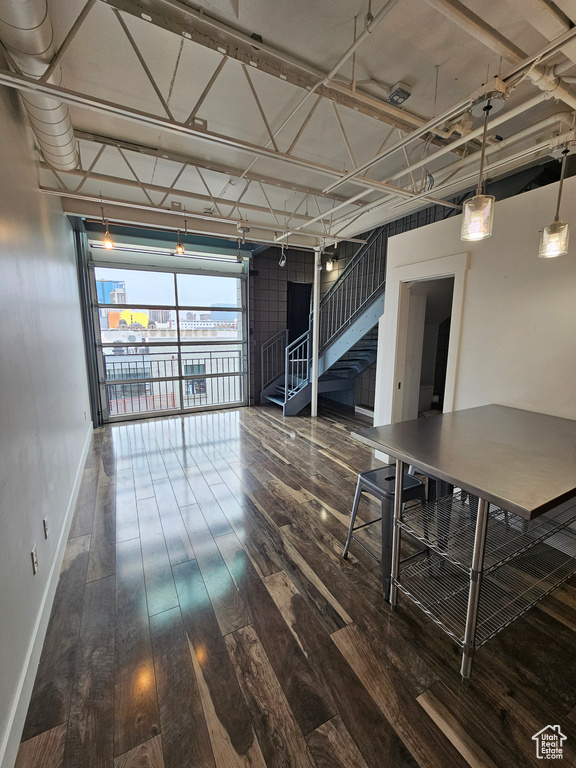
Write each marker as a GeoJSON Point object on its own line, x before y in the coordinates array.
{"type": "Point", "coordinates": [103, 178]}
{"type": "Point", "coordinates": [138, 213]}
{"type": "Point", "coordinates": [204, 30]}
{"type": "Point", "coordinates": [28, 84]}
{"type": "Point", "coordinates": [196, 162]}
{"type": "Point", "coordinates": [24, 83]}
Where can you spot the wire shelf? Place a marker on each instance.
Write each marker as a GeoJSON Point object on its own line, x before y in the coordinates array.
{"type": "Point", "coordinates": [441, 590]}
{"type": "Point", "coordinates": [448, 526]}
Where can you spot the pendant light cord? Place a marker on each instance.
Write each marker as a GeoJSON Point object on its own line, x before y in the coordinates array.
{"type": "Point", "coordinates": [487, 109]}
{"type": "Point", "coordinates": [564, 157]}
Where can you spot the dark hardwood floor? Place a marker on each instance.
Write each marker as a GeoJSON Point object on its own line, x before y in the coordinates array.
{"type": "Point", "coordinates": [205, 617]}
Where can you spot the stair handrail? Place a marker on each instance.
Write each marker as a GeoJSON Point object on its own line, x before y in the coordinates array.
{"type": "Point", "coordinates": [272, 357]}
{"type": "Point", "coordinates": [351, 264]}
{"type": "Point", "coordinates": [297, 365]}
{"type": "Point", "coordinates": [362, 279]}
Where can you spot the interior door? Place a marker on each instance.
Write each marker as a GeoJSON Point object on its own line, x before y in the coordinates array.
{"type": "Point", "coordinates": [298, 309]}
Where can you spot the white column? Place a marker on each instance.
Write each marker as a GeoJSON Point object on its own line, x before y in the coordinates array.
{"type": "Point", "coordinates": [315, 330]}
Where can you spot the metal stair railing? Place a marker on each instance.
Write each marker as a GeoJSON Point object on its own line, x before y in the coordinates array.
{"type": "Point", "coordinates": [272, 358]}
{"type": "Point", "coordinates": [297, 365]}
{"type": "Point", "coordinates": [362, 279]}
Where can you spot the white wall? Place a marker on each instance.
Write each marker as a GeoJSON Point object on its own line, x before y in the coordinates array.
{"type": "Point", "coordinates": [44, 410]}
{"type": "Point", "coordinates": [518, 326]}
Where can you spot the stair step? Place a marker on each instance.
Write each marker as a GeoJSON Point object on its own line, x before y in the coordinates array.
{"type": "Point", "coordinates": [277, 400]}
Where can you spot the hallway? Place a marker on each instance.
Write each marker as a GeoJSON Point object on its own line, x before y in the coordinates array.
{"type": "Point", "coordinates": [205, 617]}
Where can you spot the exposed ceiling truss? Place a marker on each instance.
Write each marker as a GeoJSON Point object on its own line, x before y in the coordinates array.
{"type": "Point", "coordinates": [212, 178]}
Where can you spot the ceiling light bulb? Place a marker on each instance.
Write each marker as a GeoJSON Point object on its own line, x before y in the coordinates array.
{"type": "Point", "coordinates": [179, 246]}
{"type": "Point", "coordinates": [477, 218]}
{"type": "Point", "coordinates": [330, 265]}
{"type": "Point", "coordinates": [107, 242]}
{"type": "Point", "coordinates": [554, 240]}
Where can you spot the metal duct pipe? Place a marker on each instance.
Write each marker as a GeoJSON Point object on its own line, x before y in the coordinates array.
{"type": "Point", "coordinates": [26, 31]}
{"type": "Point", "coordinates": [478, 28]}
{"type": "Point", "coordinates": [449, 170]}
{"type": "Point", "coordinates": [503, 117]}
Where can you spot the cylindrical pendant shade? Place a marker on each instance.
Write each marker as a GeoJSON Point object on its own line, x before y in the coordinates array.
{"type": "Point", "coordinates": [477, 216]}
{"type": "Point", "coordinates": [554, 240]}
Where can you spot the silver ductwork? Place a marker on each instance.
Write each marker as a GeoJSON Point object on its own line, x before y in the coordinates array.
{"type": "Point", "coordinates": [26, 32]}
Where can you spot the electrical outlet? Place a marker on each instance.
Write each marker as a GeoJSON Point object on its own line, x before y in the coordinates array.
{"type": "Point", "coordinates": [45, 526]}
{"type": "Point", "coordinates": [34, 555]}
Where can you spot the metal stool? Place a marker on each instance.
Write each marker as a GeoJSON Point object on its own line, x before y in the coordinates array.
{"type": "Point", "coordinates": [380, 484]}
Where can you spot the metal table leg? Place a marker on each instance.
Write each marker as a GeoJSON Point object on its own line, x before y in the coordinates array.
{"type": "Point", "coordinates": [475, 584]}
{"type": "Point", "coordinates": [398, 492]}
{"type": "Point", "coordinates": [387, 536]}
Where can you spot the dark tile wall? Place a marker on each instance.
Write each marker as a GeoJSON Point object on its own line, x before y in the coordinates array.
{"type": "Point", "coordinates": [267, 288]}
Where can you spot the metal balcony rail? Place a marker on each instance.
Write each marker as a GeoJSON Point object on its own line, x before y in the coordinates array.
{"type": "Point", "coordinates": [146, 384]}
{"type": "Point", "coordinates": [272, 357]}
{"type": "Point", "coordinates": [362, 279]}
{"type": "Point", "coordinates": [149, 367]}
{"type": "Point", "coordinates": [297, 365]}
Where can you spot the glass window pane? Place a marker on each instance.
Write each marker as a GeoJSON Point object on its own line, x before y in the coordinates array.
{"type": "Point", "coordinates": [142, 397]}
{"type": "Point", "coordinates": [215, 324]}
{"type": "Point", "coordinates": [140, 362]}
{"type": "Point", "coordinates": [208, 291]}
{"type": "Point", "coordinates": [132, 286]}
{"type": "Point", "coordinates": [137, 326]}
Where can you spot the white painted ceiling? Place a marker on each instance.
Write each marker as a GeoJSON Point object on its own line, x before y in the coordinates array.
{"type": "Point", "coordinates": [414, 43]}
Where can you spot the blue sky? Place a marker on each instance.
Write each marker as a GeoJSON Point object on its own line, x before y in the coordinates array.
{"type": "Point", "coordinates": [158, 287]}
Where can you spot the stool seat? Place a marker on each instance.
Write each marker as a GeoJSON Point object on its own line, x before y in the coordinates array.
{"type": "Point", "coordinates": [380, 483]}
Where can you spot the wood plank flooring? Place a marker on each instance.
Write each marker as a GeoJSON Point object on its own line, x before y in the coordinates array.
{"type": "Point", "coordinates": [205, 618]}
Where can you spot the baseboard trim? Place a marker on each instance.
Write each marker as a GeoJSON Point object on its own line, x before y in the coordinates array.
{"type": "Point", "coordinates": [11, 739]}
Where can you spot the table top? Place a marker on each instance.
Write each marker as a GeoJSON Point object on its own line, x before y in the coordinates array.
{"type": "Point", "coordinates": [521, 461]}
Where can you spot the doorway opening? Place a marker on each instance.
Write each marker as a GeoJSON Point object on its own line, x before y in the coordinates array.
{"type": "Point", "coordinates": [297, 309]}
{"type": "Point", "coordinates": [427, 346]}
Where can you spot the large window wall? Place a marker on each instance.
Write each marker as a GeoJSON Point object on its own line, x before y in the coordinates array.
{"type": "Point", "coordinates": [169, 341]}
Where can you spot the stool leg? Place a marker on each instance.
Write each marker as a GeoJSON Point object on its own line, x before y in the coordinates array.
{"type": "Point", "coordinates": [353, 517]}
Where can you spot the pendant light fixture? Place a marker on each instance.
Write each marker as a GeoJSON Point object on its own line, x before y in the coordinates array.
{"type": "Point", "coordinates": [478, 211]}
{"type": "Point", "coordinates": [107, 241]}
{"type": "Point", "coordinates": [282, 262]}
{"type": "Point", "coordinates": [180, 248]}
{"type": "Point", "coordinates": [554, 238]}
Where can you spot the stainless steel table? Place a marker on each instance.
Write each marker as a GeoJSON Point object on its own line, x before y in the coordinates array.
{"type": "Point", "coordinates": [522, 463]}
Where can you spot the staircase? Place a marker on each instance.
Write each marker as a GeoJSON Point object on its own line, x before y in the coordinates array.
{"type": "Point", "coordinates": [349, 311]}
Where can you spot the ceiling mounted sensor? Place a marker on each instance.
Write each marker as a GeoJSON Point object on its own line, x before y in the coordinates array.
{"type": "Point", "coordinates": [399, 93]}
{"type": "Point", "coordinates": [478, 211]}
{"type": "Point", "coordinates": [554, 238]}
